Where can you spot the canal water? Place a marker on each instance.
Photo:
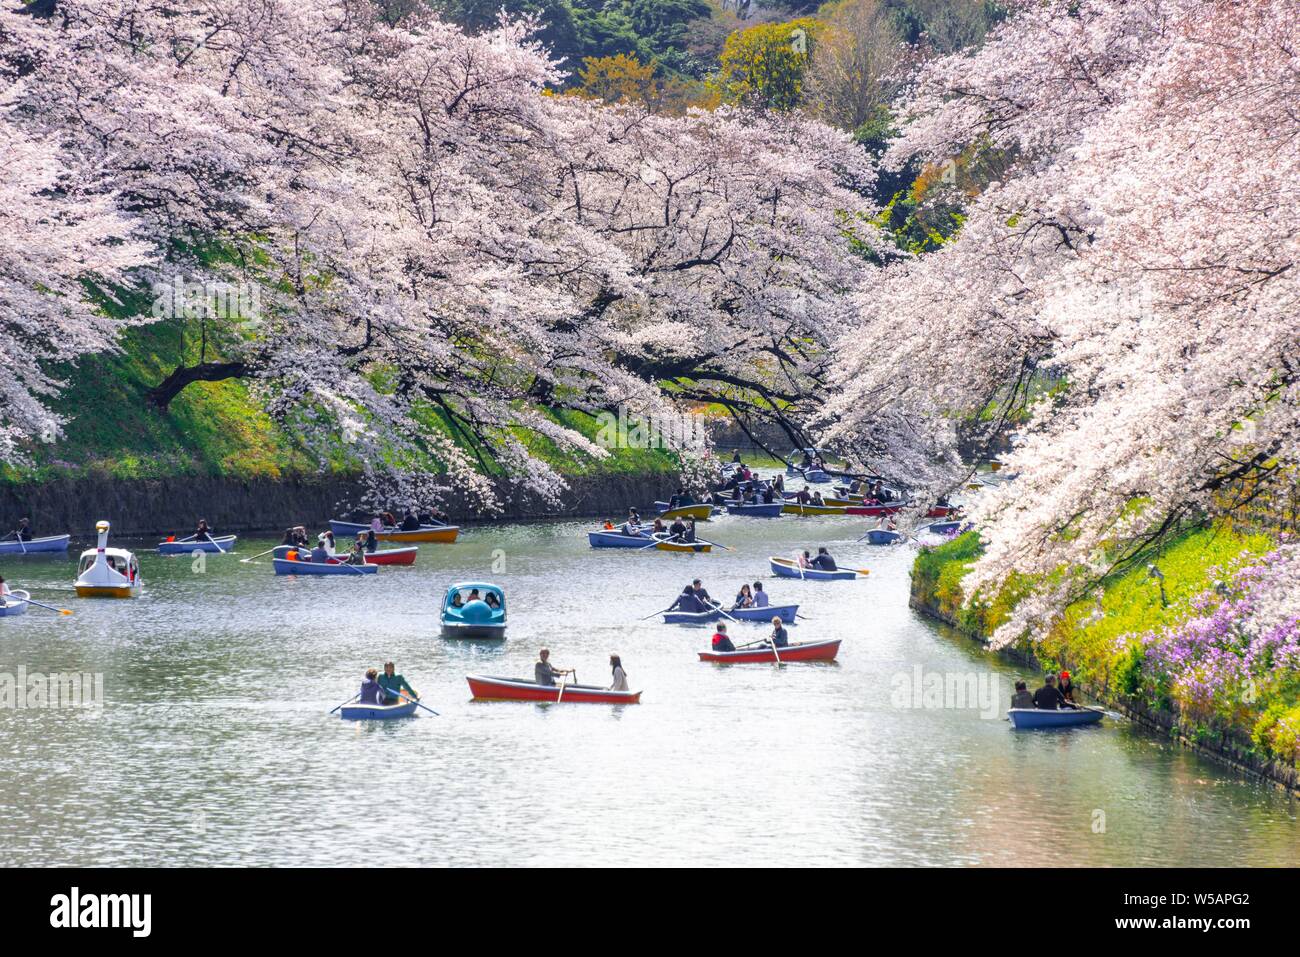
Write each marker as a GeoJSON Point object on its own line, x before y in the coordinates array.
{"type": "Point", "coordinates": [215, 746]}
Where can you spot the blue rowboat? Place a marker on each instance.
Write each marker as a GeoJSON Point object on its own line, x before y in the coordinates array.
{"type": "Point", "coordinates": [785, 612]}
{"type": "Point", "coordinates": [816, 476]}
{"type": "Point", "coordinates": [788, 568]}
{"type": "Point", "coordinates": [1045, 718]}
{"type": "Point", "coordinates": [883, 536]}
{"type": "Point", "coordinates": [691, 617]}
{"type": "Point", "coordinates": [227, 542]}
{"type": "Point", "coordinates": [377, 712]}
{"type": "Point", "coordinates": [760, 510]}
{"type": "Point", "coordinates": [51, 543]}
{"type": "Point", "coordinates": [939, 528]}
{"type": "Point", "coordinates": [474, 618]}
{"type": "Point", "coordinates": [295, 566]}
{"type": "Point", "coordinates": [616, 539]}
{"type": "Point", "coordinates": [11, 606]}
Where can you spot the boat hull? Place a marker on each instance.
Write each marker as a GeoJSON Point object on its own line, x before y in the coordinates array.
{"type": "Point", "coordinates": [376, 712]}
{"type": "Point", "coordinates": [11, 608]}
{"type": "Point", "coordinates": [893, 508]}
{"type": "Point", "coordinates": [484, 631]}
{"type": "Point", "coordinates": [683, 547]}
{"type": "Point", "coordinates": [618, 540]}
{"type": "Point", "coordinates": [786, 568]}
{"type": "Point", "coordinates": [794, 508]}
{"type": "Point", "coordinates": [107, 591]}
{"type": "Point", "coordinates": [816, 476]}
{"type": "Point", "coordinates": [1029, 718]}
{"type": "Point", "coordinates": [393, 556]}
{"type": "Point", "coordinates": [883, 536]}
{"type": "Point", "coordinates": [489, 688]}
{"type": "Point", "coordinates": [785, 612]}
{"type": "Point", "coordinates": [284, 566]}
{"type": "Point", "coordinates": [37, 546]}
{"type": "Point", "coordinates": [762, 510]}
{"type": "Point", "coordinates": [425, 533]}
{"type": "Point", "coordinates": [691, 617]}
{"type": "Point", "coordinates": [700, 513]}
{"type": "Point", "coordinates": [939, 528]}
{"type": "Point", "coordinates": [807, 651]}
{"type": "Point", "coordinates": [227, 542]}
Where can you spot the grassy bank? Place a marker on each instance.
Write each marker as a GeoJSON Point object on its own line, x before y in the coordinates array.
{"type": "Point", "coordinates": [1107, 639]}
{"type": "Point", "coordinates": [220, 429]}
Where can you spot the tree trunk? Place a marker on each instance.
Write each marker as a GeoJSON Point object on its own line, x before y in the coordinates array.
{"type": "Point", "coordinates": [162, 394]}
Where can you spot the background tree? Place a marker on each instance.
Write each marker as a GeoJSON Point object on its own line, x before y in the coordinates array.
{"type": "Point", "coordinates": [765, 65]}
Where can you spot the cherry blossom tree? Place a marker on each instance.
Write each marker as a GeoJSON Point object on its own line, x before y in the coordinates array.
{"type": "Point", "coordinates": [1143, 244]}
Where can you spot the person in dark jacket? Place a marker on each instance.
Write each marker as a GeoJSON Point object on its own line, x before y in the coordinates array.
{"type": "Point", "coordinates": [1022, 698]}
{"type": "Point", "coordinates": [1048, 697]}
{"type": "Point", "coordinates": [409, 522]}
{"type": "Point", "coordinates": [780, 637]}
{"type": "Point", "coordinates": [720, 640]}
{"type": "Point", "coordinates": [824, 561]}
{"type": "Point", "coordinates": [1066, 687]}
{"type": "Point", "coordinates": [687, 601]}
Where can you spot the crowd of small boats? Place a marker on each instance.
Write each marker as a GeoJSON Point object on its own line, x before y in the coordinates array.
{"type": "Point", "coordinates": [477, 610]}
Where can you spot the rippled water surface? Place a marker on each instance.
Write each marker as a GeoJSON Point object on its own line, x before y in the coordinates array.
{"type": "Point", "coordinates": [215, 745]}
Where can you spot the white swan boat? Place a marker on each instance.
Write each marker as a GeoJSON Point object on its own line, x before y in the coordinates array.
{"type": "Point", "coordinates": [107, 572]}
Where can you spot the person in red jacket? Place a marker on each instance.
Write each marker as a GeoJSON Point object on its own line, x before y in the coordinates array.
{"type": "Point", "coordinates": [720, 640]}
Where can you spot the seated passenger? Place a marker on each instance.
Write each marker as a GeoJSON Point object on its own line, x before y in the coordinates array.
{"type": "Point", "coordinates": [1048, 697]}
{"type": "Point", "coordinates": [720, 640]}
{"type": "Point", "coordinates": [1022, 698]}
{"type": "Point", "coordinates": [824, 561]}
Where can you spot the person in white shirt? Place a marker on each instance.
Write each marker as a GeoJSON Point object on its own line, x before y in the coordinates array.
{"type": "Point", "coordinates": [620, 676]}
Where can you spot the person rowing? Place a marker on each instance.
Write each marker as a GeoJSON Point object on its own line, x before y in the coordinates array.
{"type": "Point", "coordinates": [633, 524]}
{"type": "Point", "coordinates": [779, 637]}
{"type": "Point", "coordinates": [823, 561]}
{"type": "Point", "coordinates": [702, 594]}
{"type": "Point", "coordinates": [409, 522]}
{"type": "Point", "coordinates": [688, 601]}
{"type": "Point", "coordinates": [676, 530]}
{"type": "Point", "coordinates": [544, 672]}
{"type": "Point", "coordinates": [721, 641]}
{"type": "Point", "coordinates": [203, 532]}
{"type": "Point", "coordinates": [1048, 697]}
{"type": "Point", "coordinates": [392, 683]}
{"type": "Point", "coordinates": [23, 533]}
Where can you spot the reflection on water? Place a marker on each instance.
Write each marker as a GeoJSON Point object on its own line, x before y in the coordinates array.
{"type": "Point", "coordinates": [216, 746]}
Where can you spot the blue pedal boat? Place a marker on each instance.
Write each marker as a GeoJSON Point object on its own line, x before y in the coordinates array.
{"type": "Point", "coordinates": [37, 546]}
{"type": "Point", "coordinates": [617, 539]}
{"type": "Point", "coordinates": [475, 617]}
{"type": "Point", "coordinates": [377, 712]}
{"type": "Point", "coordinates": [758, 510]}
{"type": "Point", "coordinates": [1030, 718]}
{"type": "Point", "coordinates": [227, 543]}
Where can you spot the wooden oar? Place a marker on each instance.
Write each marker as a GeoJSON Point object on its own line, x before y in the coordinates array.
{"type": "Point", "coordinates": [214, 542]}
{"type": "Point", "coordinates": [718, 606]}
{"type": "Point", "coordinates": [413, 701]}
{"type": "Point", "coordinates": [560, 696]}
{"type": "Point", "coordinates": [715, 544]}
{"type": "Point", "coordinates": [21, 543]}
{"type": "Point", "coordinates": [349, 701]}
{"type": "Point", "coordinates": [245, 561]}
{"type": "Point", "coordinates": [670, 538]}
{"type": "Point", "coordinates": [38, 604]}
{"type": "Point", "coordinates": [653, 614]}
{"type": "Point", "coordinates": [775, 654]}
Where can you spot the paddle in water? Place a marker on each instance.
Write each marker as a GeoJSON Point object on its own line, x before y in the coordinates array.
{"type": "Point", "coordinates": [38, 604]}
{"type": "Point", "coordinates": [245, 561]}
{"type": "Point", "coordinates": [349, 701]}
{"type": "Point", "coordinates": [412, 700]}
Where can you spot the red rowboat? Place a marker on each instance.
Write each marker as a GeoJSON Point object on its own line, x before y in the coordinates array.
{"type": "Point", "coordinates": [808, 651]}
{"type": "Point", "coordinates": [393, 556]}
{"type": "Point", "coordinates": [520, 689]}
